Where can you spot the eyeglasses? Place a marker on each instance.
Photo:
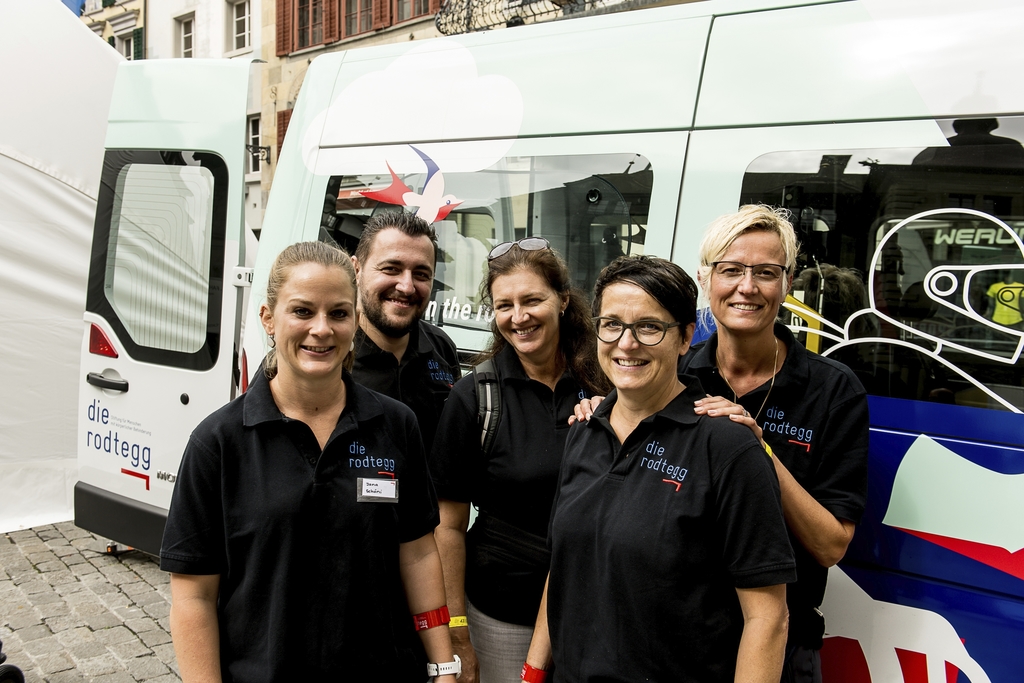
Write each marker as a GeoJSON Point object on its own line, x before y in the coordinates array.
{"type": "Point", "coordinates": [646, 332]}
{"type": "Point", "coordinates": [526, 244]}
{"type": "Point", "coordinates": [763, 273]}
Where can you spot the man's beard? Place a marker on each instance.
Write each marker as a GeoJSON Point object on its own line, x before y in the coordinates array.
{"type": "Point", "coordinates": [374, 312]}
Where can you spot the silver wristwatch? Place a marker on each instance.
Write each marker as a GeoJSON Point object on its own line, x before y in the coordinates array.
{"type": "Point", "coordinates": [446, 668]}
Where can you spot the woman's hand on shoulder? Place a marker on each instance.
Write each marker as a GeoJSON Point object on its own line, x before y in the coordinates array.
{"type": "Point", "coordinates": [584, 409]}
{"type": "Point", "coordinates": [719, 406]}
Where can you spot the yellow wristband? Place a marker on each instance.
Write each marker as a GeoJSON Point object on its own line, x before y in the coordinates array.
{"type": "Point", "coordinates": [456, 622]}
{"type": "Point", "coordinates": [767, 449]}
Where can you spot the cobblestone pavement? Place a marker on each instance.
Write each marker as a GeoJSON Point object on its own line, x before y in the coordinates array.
{"type": "Point", "coordinates": [70, 612]}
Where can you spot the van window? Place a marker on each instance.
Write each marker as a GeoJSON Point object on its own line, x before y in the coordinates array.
{"type": "Point", "coordinates": [912, 266]}
{"type": "Point", "coordinates": [160, 240]}
{"type": "Point", "coordinates": [591, 208]}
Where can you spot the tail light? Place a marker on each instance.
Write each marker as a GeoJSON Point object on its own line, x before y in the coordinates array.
{"type": "Point", "coordinates": [100, 344]}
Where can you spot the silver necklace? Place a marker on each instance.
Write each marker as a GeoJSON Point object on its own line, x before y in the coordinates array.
{"type": "Point", "coordinates": [775, 371]}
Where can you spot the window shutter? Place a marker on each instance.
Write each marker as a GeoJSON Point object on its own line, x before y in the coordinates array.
{"type": "Point", "coordinates": [381, 14]}
{"type": "Point", "coordinates": [111, 41]}
{"type": "Point", "coordinates": [284, 27]}
{"type": "Point", "coordinates": [283, 117]}
{"type": "Point", "coordinates": [138, 44]}
{"type": "Point", "coordinates": [331, 30]}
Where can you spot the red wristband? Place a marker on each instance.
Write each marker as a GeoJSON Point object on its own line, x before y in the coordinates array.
{"type": "Point", "coordinates": [435, 617]}
{"type": "Point", "coordinates": [532, 674]}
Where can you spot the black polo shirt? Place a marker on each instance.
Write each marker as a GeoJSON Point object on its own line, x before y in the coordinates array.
{"type": "Point", "coordinates": [515, 483]}
{"type": "Point", "coordinates": [650, 540]}
{"type": "Point", "coordinates": [310, 586]}
{"type": "Point", "coordinates": [816, 421]}
{"type": "Point", "coordinates": [422, 381]}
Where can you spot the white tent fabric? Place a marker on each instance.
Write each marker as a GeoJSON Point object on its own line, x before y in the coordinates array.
{"type": "Point", "coordinates": [52, 127]}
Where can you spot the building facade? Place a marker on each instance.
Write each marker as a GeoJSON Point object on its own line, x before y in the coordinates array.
{"type": "Point", "coordinates": [216, 29]}
{"type": "Point", "coordinates": [297, 31]}
{"type": "Point", "coordinates": [122, 23]}
{"type": "Point", "coordinates": [203, 28]}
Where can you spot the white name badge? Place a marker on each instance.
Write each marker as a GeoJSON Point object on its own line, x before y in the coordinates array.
{"type": "Point", "coordinates": [376, 490]}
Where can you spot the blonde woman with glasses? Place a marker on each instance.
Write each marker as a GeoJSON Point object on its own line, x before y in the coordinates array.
{"type": "Point", "coordinates": [810, 412]}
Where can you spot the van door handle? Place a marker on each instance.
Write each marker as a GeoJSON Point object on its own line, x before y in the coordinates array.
{"type": "Point", "coordinates": [98, 380]}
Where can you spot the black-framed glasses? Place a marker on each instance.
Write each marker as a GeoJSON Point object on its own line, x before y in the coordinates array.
{"type": "Point", "coordinates": [763, 273]}
{"type": "Point", "coordinates": [646, 332]}
{"type": "Point", "coordinates": [526, 244]}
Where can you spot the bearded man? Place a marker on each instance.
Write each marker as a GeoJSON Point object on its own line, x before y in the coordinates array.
{"type": "Point", "coordinates": [397, 352]}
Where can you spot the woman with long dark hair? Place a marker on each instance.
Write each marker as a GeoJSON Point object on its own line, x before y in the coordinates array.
{"type": "Point", "coordinates": [544, 353]}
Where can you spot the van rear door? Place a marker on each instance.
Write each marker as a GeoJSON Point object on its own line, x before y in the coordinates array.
{"type": "Point", "coordinates": [162, 314]}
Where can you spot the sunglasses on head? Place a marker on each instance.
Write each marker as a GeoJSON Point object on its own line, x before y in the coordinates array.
{"type": "Point", "coordinates": [526, 244]}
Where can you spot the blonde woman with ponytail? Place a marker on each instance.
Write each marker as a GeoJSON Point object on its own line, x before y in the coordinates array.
{"type": "Point", "coordinates": [300, 534]}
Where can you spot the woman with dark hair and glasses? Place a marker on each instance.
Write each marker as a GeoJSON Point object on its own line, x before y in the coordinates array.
{"type": "Point", "coordinates": [544, 355]}
{"type": "Point", "coordinates": [669, 554]}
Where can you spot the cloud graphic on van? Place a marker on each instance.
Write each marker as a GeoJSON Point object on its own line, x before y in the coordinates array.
{"type": "Point", "coordinates": [948, 500]}
{"type": "Point", "coordinates": [432, 92]}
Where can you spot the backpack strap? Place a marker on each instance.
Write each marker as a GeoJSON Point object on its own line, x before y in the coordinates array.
{"type": "Point", "coordinates": [488, 397]}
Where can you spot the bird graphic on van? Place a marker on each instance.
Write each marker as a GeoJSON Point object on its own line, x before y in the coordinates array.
{"type": "Point", "coordinates": [947, 500]}
{"type": "Point", "coordinates": [432, 205]}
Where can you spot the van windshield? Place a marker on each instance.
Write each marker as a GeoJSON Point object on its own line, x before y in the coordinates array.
{"type": "Point", "coordinates": [591, 208]}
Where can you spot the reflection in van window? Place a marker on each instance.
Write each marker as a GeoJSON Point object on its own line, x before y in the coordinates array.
{"type": "Point", "coordinates": [158, 261]}
{"type": "Point", "coordinates": [591, 208]}
{"type": "Point", "coordinates": [912, 267]}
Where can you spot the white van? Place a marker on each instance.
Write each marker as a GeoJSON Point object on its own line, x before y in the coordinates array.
{"type": "Point", "coordinates": [891, 128]}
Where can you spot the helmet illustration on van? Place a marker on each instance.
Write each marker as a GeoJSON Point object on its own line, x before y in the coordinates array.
{"type": "Point", "coordinates": [917, 239]}
{"type": "Point", "coordinates": [918, 301]}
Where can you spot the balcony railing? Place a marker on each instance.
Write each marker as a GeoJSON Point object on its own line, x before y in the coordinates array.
{"type": "Point", "coordinates": [466, 16]}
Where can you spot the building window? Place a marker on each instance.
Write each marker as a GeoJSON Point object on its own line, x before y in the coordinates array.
{"type": "Point", "coordinates": [126, 47]}
{"type": "Point", "coordinates": [186, 30]}
{"type": "Point", "coordinates": [358, 16]}
{"type": "Point", "coordinates": [240, 25]}
{"type": "Point", "coordinates": [310, 23]}
{"type": "Point", "coordinates": [408, 9]}
{"type": "Point", "coordinates": [254, 142]}
{"type": "Point", "coordinates": [302, 24]}
{"type": "Point", "coordinates": [283, 118]}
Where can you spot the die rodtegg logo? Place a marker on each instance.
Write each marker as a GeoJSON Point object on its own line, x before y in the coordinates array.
{"type": "Point", "coordinates": [654, 459]}
{"type": "Point", "coordinates": [361, 459]}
